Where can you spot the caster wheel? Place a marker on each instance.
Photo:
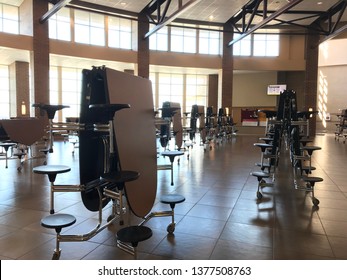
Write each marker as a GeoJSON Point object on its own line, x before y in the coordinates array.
{"type": "Point", "coordinates": [19, 168]}
{"type": "Point", "coordinates": [315, 201]}
{"type": "Point", "coordinates": [56, 256]}
{"type": "Point", "coordinates": [259, 195]}
{"type": "Point", "coordinates": [171, 228]}
{"type": "Point", "coordinates": [51, 211]}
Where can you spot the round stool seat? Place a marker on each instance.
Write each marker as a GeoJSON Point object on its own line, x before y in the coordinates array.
{"type": "Point", "coordinates": [311, 149]}
{"type": "Point", "coordinates": [264, 165]}
{"type": "Point", "coordinates": [134, 234]}
{"type": "Point", "coordinates": [58, 221]}
{"type": "Point", "coordinates": [120, 177]}
{"type": "Point", "coordinates": [172, 154]}
{"type": "Point", "coordinates": [260, 174]}
{"type": "Point", "coordinates": [51, 170]}
{"type": "Point", "coordinates": [172, 198]}
{"type": "Point", "coordinates": [312, 179]}
{"type": "Point", "coordinates": [307, 169]}
{"type": "Point", "coordinates": [7, 145]}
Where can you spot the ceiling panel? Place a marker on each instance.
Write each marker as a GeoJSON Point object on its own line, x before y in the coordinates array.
{"type": "Point", "coordinates": [220, 10]}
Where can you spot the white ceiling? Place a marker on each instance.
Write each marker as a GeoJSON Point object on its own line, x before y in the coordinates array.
{"type": "Point", "coordinates": [221, 10]}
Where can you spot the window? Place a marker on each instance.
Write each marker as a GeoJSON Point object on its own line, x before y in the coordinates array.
{"type": "Point", "coordinates": [153, 79]}
{"type": "Point", "coordinates": [170, 88]}
{"type": "Point", "coordinates": [59, 25]}
{"type": "Point", "coordinates": [266, 45]}
{"type": "Point", "coordinates": [89, 28]}
{"type": "Point", "coordinates": [159, 40]}
{"type": "Point", "coordinates": [209, 42]}
{"type": "Point", "coordinates": [53, 85]}
{"type": "Point", "coordinates": [65, 88]}
{"type": "Point", "coordinates": [242, 47]}
{"type": "Point", "coordinates": [185, 89]}
{"type": "Point", "coordinates": [119, 33]}
{"type": "Point", "coordinates": [9, 19]}
{"type": "Point", "coordinates": [71, 80]}
{"type": "Point", "coordinates": [4, 92]}
{"type": "Point", "coordinates": [196, 91]}
{"type": "Point", "coordinates": [183, 39]}
{"type": "Point", "coordinates": [257, 45]}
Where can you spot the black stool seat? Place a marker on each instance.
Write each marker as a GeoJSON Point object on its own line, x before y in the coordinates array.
{"type": "Point", "coordinates": [307, 169]}
{"type": "Point", "coordinates": [172, 199]}
{"type": "Point", "coordinates": [134, 234]}
{"type": "Point", "coordinates": [51, 170]}
{"type": "Point", "coordinates": [50, 109]}
{"type": "Point", "coordinates": [264, 165]}
{"type": "Point", "coordinates": [312, 180]}
{"type": "Point", "coordinates": [267, 140]}
{"type": "Point", "coordinates": [58, 221]}
{"type": "Point", "coordinates": [108, 109]}
{"type": "Point", "coordinates": [6, 145]}
{"type": "Point", "coordinates": [263, 146]}
{"type": "Point", "coordinates": [260, 175]}
{"type": "Point", "coordinates": [44, 150]}
{"type": "Point", "coordinates": [311, 149]}
{"type": "Point", "coordinates": [172, 154]}
{"type": "Point", "coordinates": [120, 177]}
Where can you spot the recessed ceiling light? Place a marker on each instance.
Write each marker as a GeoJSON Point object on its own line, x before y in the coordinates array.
{"type": "Point", "coordinates": [211, 18]}
{"type": "Point", "coordinates": [319, 3]}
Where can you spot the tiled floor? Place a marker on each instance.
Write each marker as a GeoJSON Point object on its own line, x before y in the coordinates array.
{"type": "Point", "coordinates": [220, 219]}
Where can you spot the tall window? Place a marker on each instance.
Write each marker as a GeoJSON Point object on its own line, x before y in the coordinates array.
{"type": "Point", "coordinates": [196, 91]}
{"type": "Point", "coordinates": [54, 88]}
{"type": "Point", "coordinates": [159, 40]}
{"type": "Point", "coordinates": [266, 45]}
{"type": "Point", "coordinates": [59, 25]}
{"type": "Point", "coordinates": [9, 19]}
{"type": "Point", "coordinates": [119, 33]}
{"type": "Point", "coordinates": [170, 87]}
{"type": "Point", "coordinates": [209, 42]}
{"type": "Point", "coordinates": [89, 28]}
{"type": "Point", "coordinates": [4, 92]}
{"type": "Point", "coordinates": [65, 88]}
{"type": "Point", "coordinates": [185, 89]}
{"type": "Point", "coordinates": [183, 39]}
{"type": "Point", "coordinates": [71, 80]}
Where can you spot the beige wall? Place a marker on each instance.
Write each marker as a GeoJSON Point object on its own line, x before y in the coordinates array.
{"type": "Point", "coordinates": [332, 78]}
{"type": "Point", "coordinates": [250, 89]}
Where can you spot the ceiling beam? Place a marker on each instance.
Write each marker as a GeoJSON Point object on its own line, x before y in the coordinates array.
{"type": "Point", "coordinates": [334, 34]}
{"type": "Point", "coordinates": [165, 21]}
{"type": "Point", "coordinates": [54, 9]}
{"type": "Point", "coordinates": [266, 20]}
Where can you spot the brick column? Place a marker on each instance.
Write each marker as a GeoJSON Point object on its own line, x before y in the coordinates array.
{"type": "Point", "coordinates": [40, 54]}
{"type": "Point", "coordinates": [311, 77]}
{"type": "Point", "coordinates": [227, 67]}
{"type": "Point", "coordinates": [143, 47]}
